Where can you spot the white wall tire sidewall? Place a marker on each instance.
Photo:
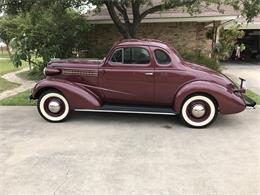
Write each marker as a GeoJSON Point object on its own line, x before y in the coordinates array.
{"type": "Point", "coordinates": [205, 122]}
{"type": "Point", "coordinates": [46, 115]}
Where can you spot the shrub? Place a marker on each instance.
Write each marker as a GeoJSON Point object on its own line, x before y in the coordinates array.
{"type": "Point", "coordinates": [227, 41]}
{"type": "Point", "coordinates": [200, 58]}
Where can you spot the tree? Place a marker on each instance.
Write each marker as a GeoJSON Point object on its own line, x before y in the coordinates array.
{"type": "Point", "coordinates": [46, 32]}
{"type": "Point", "coordinates": [228, 40]}
{"type": "Point", "coordinates": [8, 30]}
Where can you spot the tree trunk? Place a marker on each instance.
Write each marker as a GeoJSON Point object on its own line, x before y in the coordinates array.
{"type": "Point", "coordinates": [8, 50]}
{"type": "Point", "coordinates": [118, 10]}
{"type": "Point", "coordinates": [215, 40]}
{"type": "Point", "coordinates": [134, 29]}
{"type": "Point", "coordinates": [30, 63]}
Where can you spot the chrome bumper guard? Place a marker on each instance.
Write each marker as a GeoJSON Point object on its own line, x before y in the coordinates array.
{"type": "Point", "coordinates": [249, 102]}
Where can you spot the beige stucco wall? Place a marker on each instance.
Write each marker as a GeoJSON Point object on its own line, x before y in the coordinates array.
{"type": "Point", "coordinates": [188, 35]}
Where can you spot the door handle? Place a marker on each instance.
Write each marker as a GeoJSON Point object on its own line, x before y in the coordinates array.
{"type": "Point", "coordinates": [149, 73]}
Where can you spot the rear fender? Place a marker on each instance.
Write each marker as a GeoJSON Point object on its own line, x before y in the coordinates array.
{"type": "Point", "coordinates": [77, 96]}
{"type": "Point", "coordinates": [227, 101]}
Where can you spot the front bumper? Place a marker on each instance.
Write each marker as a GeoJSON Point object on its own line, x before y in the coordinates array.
{"type": "Point", "coordinates": [249, 102]}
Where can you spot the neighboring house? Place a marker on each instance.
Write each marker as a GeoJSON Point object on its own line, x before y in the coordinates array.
{"type": "Point", "coordinates": [173, 26]}
{"type": "Point", "coordinates": [2, 44]}
{"type": "Point", "coordinates": [2, 47]}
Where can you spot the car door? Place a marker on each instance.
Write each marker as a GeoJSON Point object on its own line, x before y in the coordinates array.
{"type": "Point", "coordinates": [127, 76]}
{"type": "Point", "coordinates": [168, 78]}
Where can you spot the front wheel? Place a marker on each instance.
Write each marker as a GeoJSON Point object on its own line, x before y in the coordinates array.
{"type": "Point", "coordinates": [53, 106]}
{"type": "Point", "coordinates": [198, 111]}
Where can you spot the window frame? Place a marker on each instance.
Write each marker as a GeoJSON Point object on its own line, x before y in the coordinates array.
{"type": "Point", "coordinates": [123, 57]}
{"type": "Point", "coordinates": [167, 53]}
{"type": "Point", "coordinates": [116, 50]}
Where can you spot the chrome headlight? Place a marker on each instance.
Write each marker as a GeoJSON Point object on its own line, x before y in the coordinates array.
{"type": "Point", "coordinates": [44, 71]}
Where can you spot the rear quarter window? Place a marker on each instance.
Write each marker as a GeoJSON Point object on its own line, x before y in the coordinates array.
{"type": "Point", "coordinates": [162, 57]}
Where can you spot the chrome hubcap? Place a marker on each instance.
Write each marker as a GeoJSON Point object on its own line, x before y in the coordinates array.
{"type": "Point", "coordinates": [198, 111]}
{"type": "Point", "coordinates": [54, 106]}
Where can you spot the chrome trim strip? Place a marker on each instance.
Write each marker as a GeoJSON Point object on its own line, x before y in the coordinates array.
{"type": "Point", "coordinates": [125, 112]}
{"type": "Point", "coordinates": [80, 73]}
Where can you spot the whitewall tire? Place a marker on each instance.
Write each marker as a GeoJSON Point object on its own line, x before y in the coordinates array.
{"type": "Point", "coordinates": [198, 111]}
{"type": "Point", "coordinates": [53, 106]}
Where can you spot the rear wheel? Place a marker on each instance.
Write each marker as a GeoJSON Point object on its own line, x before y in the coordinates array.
{"type": "Point", "coordinates": [198, 111]}
{"type": "Point", "coordinates": [53, 106]}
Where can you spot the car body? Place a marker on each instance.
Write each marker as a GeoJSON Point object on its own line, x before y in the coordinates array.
{"type": "Point", "coordinates": [138, 76]}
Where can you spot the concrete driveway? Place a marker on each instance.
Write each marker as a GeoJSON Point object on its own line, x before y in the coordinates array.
{"type": "Point", "coordinates": [250, 72]}
{"type": "Point", "coordinates": [122, 154]}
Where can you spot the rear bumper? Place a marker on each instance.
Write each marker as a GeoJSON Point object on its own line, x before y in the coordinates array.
{"type": "Point", "coordinates": [249, 102]}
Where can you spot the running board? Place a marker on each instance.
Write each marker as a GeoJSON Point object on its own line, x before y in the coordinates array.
{"type": "Point", "coordinates": [131, 109]}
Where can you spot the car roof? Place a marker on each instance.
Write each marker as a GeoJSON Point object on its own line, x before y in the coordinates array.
{"type": "Point", "coordinates": [147, 42]}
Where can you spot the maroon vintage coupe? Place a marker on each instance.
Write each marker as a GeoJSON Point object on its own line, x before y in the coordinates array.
{"type": "Point", "coordinates": [138, 76]}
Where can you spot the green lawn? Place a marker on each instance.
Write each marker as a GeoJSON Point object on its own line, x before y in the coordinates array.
{"type": "Point", "coordinates": [253, 96]}
{"type": "Point", "coordinates": [6, 85]}
{"type": "Point", "coordinates": [6, 66]}
{"type": "Point", "coordinates": [4, 54]}
{"type": "Point", "coordinates": [21, 99]}
{"type": "Point", "coordinates": [28, 76]}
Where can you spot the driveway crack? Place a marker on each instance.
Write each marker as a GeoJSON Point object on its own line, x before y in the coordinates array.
{"type": "Point", "coordinates": [60, 186]}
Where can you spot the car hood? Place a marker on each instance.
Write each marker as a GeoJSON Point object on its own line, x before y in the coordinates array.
{"type": "Point", "coordinates": [204, 73]}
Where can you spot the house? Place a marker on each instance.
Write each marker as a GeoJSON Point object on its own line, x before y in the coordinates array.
{"type": "Point", "coordinates": [2, 47]}
{"type": "Point", "coordinates": [180, 29]}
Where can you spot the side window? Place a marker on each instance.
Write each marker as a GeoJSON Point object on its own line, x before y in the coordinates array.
{"type": "Point", "coordinates": [117, 56]}
{"type": "Point", "coordinates": [162, 57]}
{"type": "Point", "coordinates": [139, 56]}
{"type": "Point", "coordinates": [127, 56]}
{"type": "Point", "coordinates": [131, 55]}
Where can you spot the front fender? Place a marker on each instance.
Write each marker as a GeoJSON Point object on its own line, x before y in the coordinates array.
{"type": "Point", "coordinates": [77, 96]}
{"type": "Point", "coordinates": [228, 102]}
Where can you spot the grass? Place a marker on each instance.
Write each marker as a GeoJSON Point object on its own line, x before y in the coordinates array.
{"type": "Point", "coordinates": [6, 66]}
{"type": "Point", "coordinates": [29, 76]}
{"type": "Point", "coordinates": [253, 96]}
{"type": "Point", "coordinates": [21, 99]}
{"type": "Point", "coordinates": [4, 54]}
{"type": "Point", "coordinates": [6, 85]}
